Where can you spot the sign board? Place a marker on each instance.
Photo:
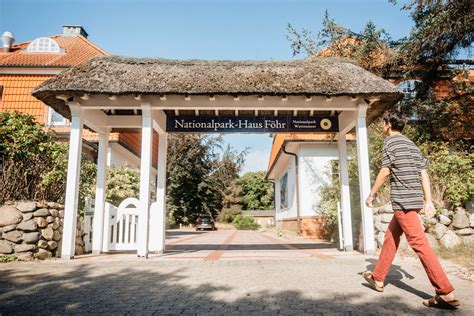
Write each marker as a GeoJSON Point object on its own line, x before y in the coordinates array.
{"type": "Point", "coordinates": [251, 124]}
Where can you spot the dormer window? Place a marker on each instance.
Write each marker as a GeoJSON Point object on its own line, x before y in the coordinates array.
{"type": "Point", "coordinates": [409, 88]}
{"type": "Point", "coordinates": [43, 45]}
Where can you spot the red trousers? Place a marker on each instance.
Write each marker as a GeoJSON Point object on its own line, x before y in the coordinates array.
{"type": "Point", "coordinates": [408, 222]}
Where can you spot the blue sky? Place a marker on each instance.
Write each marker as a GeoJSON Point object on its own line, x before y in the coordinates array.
{"type": "Point", "coordinates": [198, 29]}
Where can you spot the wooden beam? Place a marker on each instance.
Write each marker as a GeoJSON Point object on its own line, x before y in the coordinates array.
{"type": "Point", "coordinates": [96, 120]}
{"type": "Point", "coordinates": [347, 121]}
{"type": "Point", "coordinates": [159, 121]}
{"type": "Point", "coordinates": [124, 121]}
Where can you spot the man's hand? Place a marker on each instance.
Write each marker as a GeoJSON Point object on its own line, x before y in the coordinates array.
{"type": "Point", "coordinates": [383, 175]}
{"type": "Point", "coordinates": [369, 201]}
{"type": "Point", "coordinates": [429, 209]}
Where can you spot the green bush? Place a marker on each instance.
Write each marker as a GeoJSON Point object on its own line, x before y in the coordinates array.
{"type": "Point", "coordinates": [450, 169]}
{"type": "Point", "coordinates": [227, 215]}
{"type": "Point", "coordinates": [243, 222]}
{"type": "Point", "coordinates": [34, 166]}
{"type": "Point", "coordinates": [452, 174]}
{"type": "Point", "coordinates": [330, 194]}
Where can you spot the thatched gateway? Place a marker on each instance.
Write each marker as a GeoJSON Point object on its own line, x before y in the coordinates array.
{"type": "Point", "coordinates": [115, 93]}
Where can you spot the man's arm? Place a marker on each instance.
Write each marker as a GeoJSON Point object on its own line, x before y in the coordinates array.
{"type": "Point", "coordinates": [429, 208]}
{"type": "Point", "coordinates": [383, 175]}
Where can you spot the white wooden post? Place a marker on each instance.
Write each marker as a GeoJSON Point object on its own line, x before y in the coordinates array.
{"type": "Point", "coordinates": [339, 225]}
{"type": "Point", "coordinates": [106, 234]}
{"type": "Point", "coordinates": [364, 179]}
{"type": "Point", "coordinates": [158, 219]}
{"type": "Point", "coordinates": [100, 191]}
{"type": "Point", "coordinates": [145, 177]}
{"type": "Point", "coordinates": [72, 183]}
{"type": "Point", "coordinates": [345, 193]}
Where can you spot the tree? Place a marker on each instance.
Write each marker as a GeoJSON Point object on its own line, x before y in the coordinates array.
{"type": "Point", "coordinates": [197, 176]}
{"type": "Point", "coordinates": [441, 29]}
{"type": "Point", "coordinates": [257, 193]}
{"type": "Point", "coordinates": [122, 182]}
{"type": "Point", "coordinates": [370, 48]}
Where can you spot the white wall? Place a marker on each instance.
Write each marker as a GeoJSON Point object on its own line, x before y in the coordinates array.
{"type": "Point", "coordinates": [314, 164]}
{"type": "Point", "coordinates": [118, 156]}
{"type": "Point", "coordinates": [314, 171]}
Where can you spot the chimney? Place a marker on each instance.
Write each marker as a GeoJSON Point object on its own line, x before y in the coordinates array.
{"type": "Point", "coordinates": [74, 30]}
{"type": "Point", "coordinates": [7, 40]}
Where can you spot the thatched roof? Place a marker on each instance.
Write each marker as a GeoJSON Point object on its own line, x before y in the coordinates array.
{"type": "Point", "coordinates": [122, 76]}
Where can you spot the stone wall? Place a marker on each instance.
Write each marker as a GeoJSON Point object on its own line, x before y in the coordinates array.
{"type": "Point", "coordinates": [32, 230]}
{"type": "Point", "coordinates": [449, 228]}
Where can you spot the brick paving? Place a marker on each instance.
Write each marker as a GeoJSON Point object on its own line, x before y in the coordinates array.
{"type": "Point", "coordinates": [221, 273]}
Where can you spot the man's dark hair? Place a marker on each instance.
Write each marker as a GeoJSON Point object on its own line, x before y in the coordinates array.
{"type": "Point", "coordinates": [395, 119]}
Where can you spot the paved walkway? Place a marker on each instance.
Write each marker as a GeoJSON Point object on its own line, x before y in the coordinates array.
{"type": "Point", "coordinates": [223, 272]}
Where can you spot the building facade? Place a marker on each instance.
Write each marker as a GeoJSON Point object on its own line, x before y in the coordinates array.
{"type": "Point", "coordinates": [300, 165]}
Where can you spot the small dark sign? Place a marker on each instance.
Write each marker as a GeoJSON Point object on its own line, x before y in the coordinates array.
{"type": "Point", "coordinates": [251, 124]}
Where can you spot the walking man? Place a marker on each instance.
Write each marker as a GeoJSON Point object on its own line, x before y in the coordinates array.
{"type": "Point", "coordinates": [409, 183]}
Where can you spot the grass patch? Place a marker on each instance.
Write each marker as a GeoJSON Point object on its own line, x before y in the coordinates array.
{"type": "Point", "coordinates": [8, 258]}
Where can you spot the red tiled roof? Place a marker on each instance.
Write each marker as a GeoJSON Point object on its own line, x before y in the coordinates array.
{"type": "Point", "coordinates": [76, 50]}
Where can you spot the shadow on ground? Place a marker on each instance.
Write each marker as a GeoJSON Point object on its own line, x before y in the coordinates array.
{"type": "Point", "coordinates": [94, 289]}
{"type": "Point", "coordinates": [173, 234]}
{"type": "Point", "coordinates": [190, 248]}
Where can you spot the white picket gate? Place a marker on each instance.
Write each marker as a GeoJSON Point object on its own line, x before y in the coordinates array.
{"type": "Point", "coordinates": [120, 231]}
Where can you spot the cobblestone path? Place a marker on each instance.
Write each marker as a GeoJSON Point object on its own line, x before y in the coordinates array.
{"type": "Point", "coordinates": [222, 272]}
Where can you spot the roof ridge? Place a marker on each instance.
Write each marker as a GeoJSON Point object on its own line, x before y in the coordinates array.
{"type": "Point", "coordinates": [125, 59]}
{"type": "Point", "coordinates": [90, 43]}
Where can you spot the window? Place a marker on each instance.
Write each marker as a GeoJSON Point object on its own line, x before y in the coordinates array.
{"type": "Point", "coordinates": [284, 191]}
{"type": "Point", "coordinates": [43, 45]}
{"type": "Point", "coordinates": [1, 98]}
{"type": "Point", "coordinates": [409, 87]}
{"type": "Point", "coordinates": [56, 119]}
